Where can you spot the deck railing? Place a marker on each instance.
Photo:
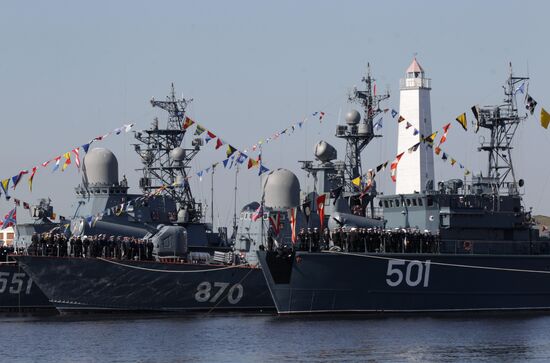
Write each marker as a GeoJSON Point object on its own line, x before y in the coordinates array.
{"type": "Point", "coordinates": [413, 83]}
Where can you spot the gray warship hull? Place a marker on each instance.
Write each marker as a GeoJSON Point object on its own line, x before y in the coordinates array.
{"type": "Point", "coordinates": [335, 282]}
{"type": "Point", "coordinates": [18, 292]}
{"type": "Point", "coordinates": [88, 284]}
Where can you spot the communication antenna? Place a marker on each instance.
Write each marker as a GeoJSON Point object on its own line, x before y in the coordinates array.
{"type": "Point", "coordinates": [358, 134]}
{"type": "Point", "coordinates": [165, 161]}
{"type": "Point", "coordinates": [502, 122]}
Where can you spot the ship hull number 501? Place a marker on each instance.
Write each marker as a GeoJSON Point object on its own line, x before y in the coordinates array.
{"type": "Point", "coordinates": [410, 273]}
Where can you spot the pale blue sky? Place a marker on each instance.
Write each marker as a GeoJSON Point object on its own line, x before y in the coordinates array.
{"type": "Point", "coordinates": [73, 70]}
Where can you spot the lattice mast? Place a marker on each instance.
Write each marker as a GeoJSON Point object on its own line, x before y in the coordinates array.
{"type": "Point", "coordinates": [502, 121]}
{"type": "Point", "coordinates": [165, 160]}
{"type": "Point", "coordinates": [358, 135]}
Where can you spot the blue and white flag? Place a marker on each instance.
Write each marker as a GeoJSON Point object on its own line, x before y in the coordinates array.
{"type": "Point", "coordinates": [56, 166]}
{"type": "Point", "coordinates": [10, 219]}
{"type": "Point", "coordinates": [263, 169]}
{"type": "Point", "coordinates": [520, 89]}
{"type": "Point", "coordinates": [378, 124]}
{"type": "Point", "coordinates": [242, 157]}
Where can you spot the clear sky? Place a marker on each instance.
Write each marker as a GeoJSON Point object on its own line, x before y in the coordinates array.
{"type": "Point", "coordinates": [70, 71]}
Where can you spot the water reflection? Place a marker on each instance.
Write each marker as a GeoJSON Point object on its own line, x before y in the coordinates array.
{"type": "Point", "coordinates": [243, 338]}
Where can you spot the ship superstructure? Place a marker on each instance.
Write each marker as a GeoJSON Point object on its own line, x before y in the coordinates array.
{"type": "Point", "coordinates": [166, 197]}
{"type": "Point", "coordinates": [165, 161]}
{"type": "Point", "coordinates": [484, 210]}
{"type": "Point", "coordinates": [346, 202]}
{"type": "Point", "coordinates": [349, 201]}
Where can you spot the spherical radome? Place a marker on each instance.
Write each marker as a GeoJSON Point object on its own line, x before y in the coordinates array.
{"type": "Point", "coordinates": [101, 167]}
{"type": "Point", "coordinates": [177, 154]}
{"type": "Point", "coordinates": [282, 190]}
{"type": "Point", "coordinates": [353, 117]}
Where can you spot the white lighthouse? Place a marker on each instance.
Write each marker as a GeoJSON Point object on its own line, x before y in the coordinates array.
{"type": "Point", "coordinates": [417, 168]}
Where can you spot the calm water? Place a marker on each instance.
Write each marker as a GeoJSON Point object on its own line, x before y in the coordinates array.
{"type": "Point", "coordinates": [244, 338]}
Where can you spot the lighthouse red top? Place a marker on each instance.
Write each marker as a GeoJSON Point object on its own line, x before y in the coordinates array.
{"type": "Point", "coordinates": [415, 67]}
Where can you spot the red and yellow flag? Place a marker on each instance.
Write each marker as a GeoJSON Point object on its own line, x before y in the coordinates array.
{"type": "Point", "coordinates": [67, 162]}
{"type": "Point", "coordinates": [31, 178]}
{"type": "Point", "coordinates": [321, 209]}
{"type": "Point", "coordinates": [187, 123]}
{"type": "Point", "coordinates": [292, 218]}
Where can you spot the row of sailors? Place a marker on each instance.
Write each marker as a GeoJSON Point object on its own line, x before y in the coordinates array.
{"type": "Point", "coordinates": [368, 240]}
{"type": "Point", "coordinates": [101, 245]}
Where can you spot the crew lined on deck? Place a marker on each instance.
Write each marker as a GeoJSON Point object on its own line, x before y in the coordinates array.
{"type": "Point", "coordinates": [368, 240]}
{"type": "Point", "coordinates": [310, 239]}
{"type": "Point", "coordinates": [101, 245]}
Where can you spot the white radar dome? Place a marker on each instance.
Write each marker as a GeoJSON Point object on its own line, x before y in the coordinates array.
{"type": "Point", "coordinates": [353, 117]}
{"type": "Point", "coordinates": [282, 190]}
{"type": "Point", "coordinates": [101, 167]}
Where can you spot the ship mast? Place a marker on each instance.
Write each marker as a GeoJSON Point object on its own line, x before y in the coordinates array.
{"type": "Point", "coordinates": [212, 196]}
{"type": "Point", "coordinates": [165, 161]}
{"type": "Point", "coordinates": [359, 134]}
{"type": "Point", "coordinates": [502, 121]}
{"type": "Point", "coordinates": [234, 234]}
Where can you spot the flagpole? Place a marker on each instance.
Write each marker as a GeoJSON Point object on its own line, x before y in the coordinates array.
{"type": "Point", "coordinates": [16, 235]}
{"type": "Point", "coordinates": [262, 212]}
{"type": "Point", "coordinates": [235, 204]}
{"type": "Point", "coordinates": [262, 187]}
{"type": "Point", "coordinates": [212, 196]}
{"type": "Point", "coordinates": [262, 201]}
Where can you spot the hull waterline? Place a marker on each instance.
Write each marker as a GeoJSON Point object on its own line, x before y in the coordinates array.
{"type": "Point", "coordinates": [391, 283]}
{"type": "Point", "coordinates": [81, 284]}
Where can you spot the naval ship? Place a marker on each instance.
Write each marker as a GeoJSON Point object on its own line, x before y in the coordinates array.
{"type": "Point", "coordinates": [479, 248]}
{"type": "Point", "coordinates": [18, 293]}
{"type": "Point", "coordinates": [194, 268]}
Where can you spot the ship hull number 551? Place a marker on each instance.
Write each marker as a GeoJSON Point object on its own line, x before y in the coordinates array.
{"type": "Point", "coordinates": [410, 273]}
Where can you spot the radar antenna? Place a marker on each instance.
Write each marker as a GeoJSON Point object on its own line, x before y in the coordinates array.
{"type": "Point", "coordinates": [339, 175]}
{"type": "Point", "coordinates": [165, 161]}
{"type": "Point", "coordinates": [359, 134]}
{"type": "Point", "coordinates": [502, 121]}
